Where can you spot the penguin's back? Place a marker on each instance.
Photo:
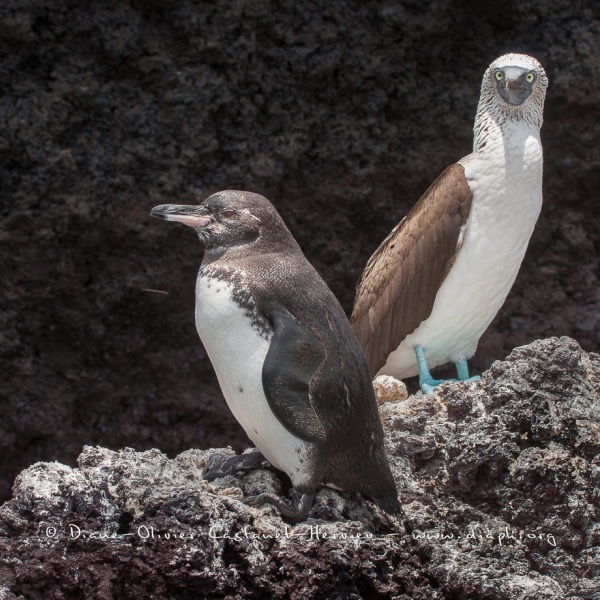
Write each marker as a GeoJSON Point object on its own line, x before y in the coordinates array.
{"type": "Point", "coordinates": [352, 456]}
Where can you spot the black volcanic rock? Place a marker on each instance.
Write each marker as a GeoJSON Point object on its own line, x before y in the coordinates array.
{"type": "Point", "coordinates": [501, 503]}
{"type": "Point", "coordinates": [341, 113]}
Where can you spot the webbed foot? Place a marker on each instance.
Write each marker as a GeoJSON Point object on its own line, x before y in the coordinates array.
{"type": "Point", "coordinates": [462, 370]}
{"type": "Point", "coordinates": [426, 381]}
{"type": "Point", "coordinates": [220, 466]}
{"type": "Point", "coordinates": [429, 385]}
{"type": "Point", "coordinates": [296, 509]}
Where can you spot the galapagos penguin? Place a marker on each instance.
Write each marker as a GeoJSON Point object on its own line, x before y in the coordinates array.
{"type": "Point", "coordinates": [288, 364]}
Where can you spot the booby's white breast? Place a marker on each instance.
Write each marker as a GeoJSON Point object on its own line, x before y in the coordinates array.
{"type": "Point", "coordinates": [237, 351]}
{"type": "Point", "coordinates": [506, 181]}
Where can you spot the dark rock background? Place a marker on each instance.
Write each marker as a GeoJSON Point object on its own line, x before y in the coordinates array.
{"type": "Point", "coordinates": [341, 113]}
{"type": "Point", "coordinates": [499, 482]}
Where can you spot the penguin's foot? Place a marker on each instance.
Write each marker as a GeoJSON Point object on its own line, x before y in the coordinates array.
{"type": "Point", "coordinates": [221, 466]}
{"type": "Point", "coordinates": [295, 510]}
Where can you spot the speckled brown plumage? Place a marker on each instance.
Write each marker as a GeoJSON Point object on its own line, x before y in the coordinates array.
{"type": "Point", "coordinates": [398, 286]}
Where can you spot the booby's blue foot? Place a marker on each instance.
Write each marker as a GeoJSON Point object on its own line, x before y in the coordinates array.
{"type": "Point", "coordinates": [426, 381]}
{"type": "Point", "coordinates": [429, 386]}
{"type": "Point", "coordinates": [462, 371]}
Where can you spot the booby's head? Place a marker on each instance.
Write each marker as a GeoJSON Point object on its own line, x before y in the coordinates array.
{"type": "Point", "coordinates": [513, 89]}
{"type": "Point", "coordinates": [229, 218]}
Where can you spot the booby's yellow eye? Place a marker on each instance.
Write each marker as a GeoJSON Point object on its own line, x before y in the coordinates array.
{"type": "Point", "coordinates": [530, 77]}
{"type": "Point", "coordinates": [499, 75]}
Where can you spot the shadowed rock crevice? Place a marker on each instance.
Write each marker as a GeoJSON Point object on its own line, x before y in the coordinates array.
{"type": "Point", "coordinates": [499, 504]}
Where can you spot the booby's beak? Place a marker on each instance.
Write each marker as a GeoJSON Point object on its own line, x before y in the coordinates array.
{"type": "Point", "coordinates": [194, 216]}
{"type": "Point", "coordinates": [515, 89]}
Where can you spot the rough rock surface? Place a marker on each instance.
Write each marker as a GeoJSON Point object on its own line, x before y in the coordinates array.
{"type": "Point", "coordinates": [499, 479]}
{"type": "Point", "coordinates": [341, 112]}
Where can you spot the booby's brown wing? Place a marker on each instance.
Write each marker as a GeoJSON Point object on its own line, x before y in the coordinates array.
{"type": "Point", "coordinates": [397, 289]}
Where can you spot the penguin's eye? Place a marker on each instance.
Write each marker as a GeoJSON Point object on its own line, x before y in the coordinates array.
{"type": "Point", "coordinates": [227, 212]}
{"type": "Point", "coordinates": [499, 75]}
{"type": "Point", "coordinates": [530, 77]}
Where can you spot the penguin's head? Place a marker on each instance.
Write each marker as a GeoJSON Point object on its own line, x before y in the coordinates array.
{"type": "Point", "coordinates": [225, 219]}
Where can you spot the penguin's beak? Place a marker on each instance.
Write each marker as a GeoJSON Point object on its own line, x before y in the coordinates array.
{"type": "Point", "coordinates": [194, 216]}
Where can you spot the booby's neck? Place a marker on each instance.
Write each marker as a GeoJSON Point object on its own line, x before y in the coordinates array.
{"type": "Point", "coordinates": [495, 118]}
{"type": "Point", "coordinates": [507, 161]}
{"type": "Point", "coordinates": [491, 129]}
{"type": "Point", "coordinates": [506, 164]}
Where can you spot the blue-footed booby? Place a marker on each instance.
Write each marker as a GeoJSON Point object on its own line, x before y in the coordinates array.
{"type": "Point", "coordinates": [434, 285]}
{"type": "Point", "coordinates": [288, 364]}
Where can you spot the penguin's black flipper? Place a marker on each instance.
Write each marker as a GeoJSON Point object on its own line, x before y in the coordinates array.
{"type": "Point", "coordinates": [293, 357]}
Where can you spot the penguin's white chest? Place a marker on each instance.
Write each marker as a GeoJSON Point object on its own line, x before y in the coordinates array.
{"type": "Point", "coordinates": [237, 350]}
{"type": "Point", "coordinates": [507, 197]}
